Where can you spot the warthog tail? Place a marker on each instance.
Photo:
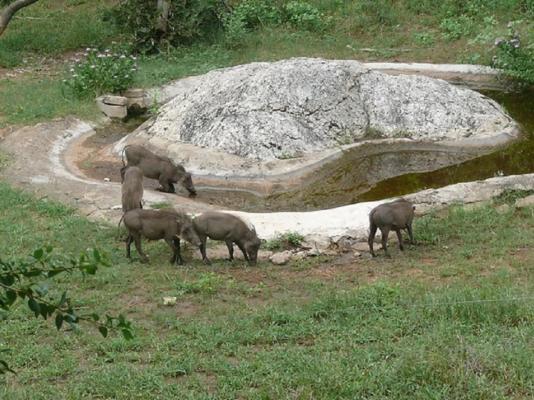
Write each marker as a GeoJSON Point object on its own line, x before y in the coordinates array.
{"type": "Point", "coordinates": [119, 226]}
{"type": "Point", "coordinates": [122, 155]}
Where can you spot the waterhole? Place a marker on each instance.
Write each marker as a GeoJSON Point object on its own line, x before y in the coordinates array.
{"type": "Point", "coordinates": [363, 174]}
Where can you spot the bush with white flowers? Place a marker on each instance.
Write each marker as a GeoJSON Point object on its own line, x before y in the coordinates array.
{"type": "Point", "coordinates": [100, 72]}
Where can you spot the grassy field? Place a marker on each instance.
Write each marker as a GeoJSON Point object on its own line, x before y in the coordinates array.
{"type": "Point", "coordinates": [451, 318]}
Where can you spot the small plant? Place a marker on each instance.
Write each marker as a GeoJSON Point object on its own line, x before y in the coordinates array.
{"type": "Point", "coordinates": [160, 205]}
{"type": "Point", "coordinates": [305, 16]}
{"type": "Point", "coordinates": [101, 72]}
{"type": "Point", "coordinates": [247, 16]}
{"type": "Point", "coordinates": [425, 39]}
{"type": "Point", "coordinates": [456, 27]}
{"type": "Point", "coordinates": [285, 241]}
{"type": "Point", "coordinates": [510, 196]}
{"type": "Point", "coordinates": [207, 283]}
{"type": "Point", "coordinates": [516, 60]}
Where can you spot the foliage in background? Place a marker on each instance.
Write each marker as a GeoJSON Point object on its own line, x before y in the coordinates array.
{"type": "Point", "coordinates": [29, 280]}
{"type": "Point", "coordinates": [107, 71]}
{"type": "Point", "coordinates": [189, 21]}
{"type": "Point", "coordinates": [50, 28]}
{"type": "Point", "coordinates": [515, 58]}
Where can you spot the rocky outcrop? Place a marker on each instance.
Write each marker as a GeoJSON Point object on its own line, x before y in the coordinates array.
{"type": "Point", "coordinates": [266, 111]}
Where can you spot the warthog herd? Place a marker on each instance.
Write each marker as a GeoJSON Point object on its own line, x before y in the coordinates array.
{"type": "Point", "coordinates": [172, 225]}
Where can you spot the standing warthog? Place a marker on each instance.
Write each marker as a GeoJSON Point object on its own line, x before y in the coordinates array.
{"type": "Point", "coordinates": [132, 189]}
{"type": "Point", "coordinates": [395, 216]}
{"type": "Point", "coordinates": [167, 224]}
{"type": "Point", "coordinates": [231, 229]}
{"type": "Point", "coordinates": [157, 167]}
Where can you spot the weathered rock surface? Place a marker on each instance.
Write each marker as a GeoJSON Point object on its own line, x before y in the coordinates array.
{"type": "Point", "coordinates": [281, 258]}
{"type": "Point", "coordinates": [525, 202]}
{"type": "Point", "coordinates": [267, 111]}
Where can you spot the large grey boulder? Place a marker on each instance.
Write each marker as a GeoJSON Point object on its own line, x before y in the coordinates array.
{"type": "Point", "coordinates": [266, 111]}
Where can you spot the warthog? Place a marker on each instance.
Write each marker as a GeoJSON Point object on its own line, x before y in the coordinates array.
{"type": "Point", "coordinates": [157, 167]}
{"type": "Point", "coordinates": [231, 229]}
{"type": "Point", "coordinates": [395, 215]}
{"type": "Point", "coordinates": [132, 189]}
{"type": "Point", "coordinates": [167, 224]}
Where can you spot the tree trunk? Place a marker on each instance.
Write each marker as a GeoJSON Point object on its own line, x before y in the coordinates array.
{"type": "Point", "coordinates": [7, 13]}
{"type": "Point", "coordinates": [163, 18]}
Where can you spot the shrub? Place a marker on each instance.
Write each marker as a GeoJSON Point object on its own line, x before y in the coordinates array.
{"type": "Point", "coordinates": [305, 16]}
{"type": "Point", "coordinates": [456, 27]}
{"type": "Point", "coordinates": [289, 240]}
{"type": "Point", "coordinates": [101, 72]}
{"type": "Point", "coordinates": [188, 21]}
{"type": "Point", "coordinates": [246, 16]}
{"type": "Point", "coordinates": [516, 60]}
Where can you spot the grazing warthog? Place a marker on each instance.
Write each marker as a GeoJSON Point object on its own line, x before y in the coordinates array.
{"type": "Point", "coordinates": [231, 229]}
{"type": "Point", "coordinates": [395, 216]}
{"type": "Point", "coordinates": [132, 189]}
{"type": "Point", "coordinates": [167, 224]}
{"type": "Point", "coordinates": [157, 167]}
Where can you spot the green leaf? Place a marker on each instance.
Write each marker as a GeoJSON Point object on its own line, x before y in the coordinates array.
{"type": "Point", "coordinates": [127, 334]}
{"type": "Point", "coordinates": [38, 254]}
{"type": "Point", "coordinates": [8, 280]}
{"type": "Point", "coordinates": [103, 331]}
{"type": "Point", "coordinates": [11, 296]}
{"type": "Point", "coordinates": [59, 321]}
{"type": "Point", "coordinates": [34, 306]}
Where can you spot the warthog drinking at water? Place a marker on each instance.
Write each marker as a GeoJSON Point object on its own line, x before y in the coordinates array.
{"type": "Point", "coordinates": [395, 216]}
{"type": "Point", "coordinates": [132, 189]}
{"type": "Point", "coordinates": [157, 167]}
{"type": "Point", "coordinates": [167, 224]}
{"type": "Point", "coordinates": [231, 229]}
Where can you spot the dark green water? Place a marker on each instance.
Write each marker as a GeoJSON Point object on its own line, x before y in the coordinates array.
{"type": "Point", "coordinates": [517, 158]}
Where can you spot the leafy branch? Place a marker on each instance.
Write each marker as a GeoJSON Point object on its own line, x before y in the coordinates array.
{"type": "Point", "coordinates": [28, 280]}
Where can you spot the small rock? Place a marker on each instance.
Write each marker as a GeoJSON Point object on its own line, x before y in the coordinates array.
{"type": "Point", "coordinates": [345, 244]}
{"type": "Point", "coordinates": [360, 247]}
{"type": "Point", "coordinates": [169, 301]}
{"type": "Point", "coordinates": [356, 254]}
{"type": "Point", "coordinates": [112, 111]}
{"type": "Point", "coordinates": [313, 252]}
{"type": "Point", "coordinates": [281, 258]}
{"type": "Point", "coordinates": [134, 92]}
{"type": "Point", "coordinates": [525, 201]}
{"type": "Point", "coordinates": [115, 100]}
{"type": "Point", "coordinates": [298, 256]}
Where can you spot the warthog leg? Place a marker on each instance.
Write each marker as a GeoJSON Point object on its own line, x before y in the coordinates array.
{"type": "Point", "coordinates": [242, 248]}
{"type": "Point", "coordinates": [399, 236]}
{"type": "Point", "coordinates": [230, 246]}
{"type": "Point", "coordinates": [202, 248]}
{"type": "Point", "coordinates": [371, 239]}
{"type": "Point", "coordinates": [385, 234]}
{"type": "Point", "coordinates": [129, 241]}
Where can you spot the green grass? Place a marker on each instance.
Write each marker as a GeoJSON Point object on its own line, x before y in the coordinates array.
{"type": "Point", "coordinates": [32, 99]}
{"type": "Point", "coordinates": [424, 324]}
{"type": "Point", "coordinates": [50, 28]}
